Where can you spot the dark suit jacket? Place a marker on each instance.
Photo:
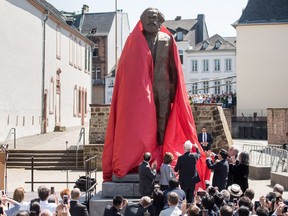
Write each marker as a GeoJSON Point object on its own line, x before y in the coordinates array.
{"type": "Point", "coordinates": [136, 209]}
{"type": "Point", "coordinates": [111, 211]}
{"type": "Point", "coordinates": [221, 169]}
{"type": "Point", "coordinates": [146, 179]}
{"type": "Point", "coordinates": [209, 140]}
{"type": "Point", "coordinates": [77, 209]}
{"type": "Point", "coordinates": [186, 165]}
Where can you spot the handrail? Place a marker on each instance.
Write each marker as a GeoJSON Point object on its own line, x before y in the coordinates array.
{"type": "Point", "coordinates": [81, 134]}
{"type": "Point", "coordinates": [89, 187]}
{"type": "Point", "coordinates": [11, 131]}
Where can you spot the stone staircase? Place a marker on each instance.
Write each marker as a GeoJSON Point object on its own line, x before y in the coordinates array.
{"type": "Point", "coordinates": [46, 159]}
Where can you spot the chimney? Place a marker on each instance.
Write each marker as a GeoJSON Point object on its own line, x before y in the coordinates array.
{"type": "Point", "coordinates": [85, 9]}
{"type": "Point", "coordinates": [201, 29]}
{"type": "Point", "coordinates": [178, 18]}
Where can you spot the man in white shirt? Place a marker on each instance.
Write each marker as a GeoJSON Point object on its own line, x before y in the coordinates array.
{"type": "Point", "coordinates": [43, 194]}
{"type": "Point", "coordinates": [173, 210]}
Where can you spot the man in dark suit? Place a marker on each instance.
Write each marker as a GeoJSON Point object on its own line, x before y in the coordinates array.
{"type": "Point", "coordinates": [220, 168]}
{"type": "Point", "coordinates": [76, 208]}
{"type": "Point", "coordinates": [139, 209]}
{"type": "Point", "coordinates": [147, 175]}
{"type": "Point", "coordinates": [205, 139]}
{"type": "Point", "coordinates": [186, 166]}
{"type": "Point", "coordinates": [118, 203]}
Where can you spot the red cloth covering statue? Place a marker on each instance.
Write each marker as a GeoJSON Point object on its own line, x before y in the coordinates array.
{"type": "Point", "coordinates": [132, 125]}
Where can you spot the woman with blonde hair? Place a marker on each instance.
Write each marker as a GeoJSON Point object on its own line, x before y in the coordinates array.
{"type": "Point", "coordinates": [166, 172]}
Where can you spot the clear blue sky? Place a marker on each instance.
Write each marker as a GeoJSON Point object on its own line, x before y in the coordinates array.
{"type": "Point", "coordinates": [219, 14]}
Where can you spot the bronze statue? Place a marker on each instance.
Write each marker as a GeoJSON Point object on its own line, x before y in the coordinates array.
{"type": "Point", "coordinates": [165, 73]}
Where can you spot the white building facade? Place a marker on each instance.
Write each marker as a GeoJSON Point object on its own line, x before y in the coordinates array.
{"type": "Point", "coordinates": [210, 66]}
{"type": "Point", "coordinates": [46, 70]}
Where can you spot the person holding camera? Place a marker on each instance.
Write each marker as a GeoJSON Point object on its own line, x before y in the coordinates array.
{"type": "Point", "coordinates": [76, 208]}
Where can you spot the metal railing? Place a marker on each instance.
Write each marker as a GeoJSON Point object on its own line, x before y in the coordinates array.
{"type": "Point", "coordinates": [89, 170]}
{"type": "Point", "coordinates": [11, 131]}
{"type": "Point", "coordinates": [80, 137]}
{"type": "Point", "coordinates": [273, 156]}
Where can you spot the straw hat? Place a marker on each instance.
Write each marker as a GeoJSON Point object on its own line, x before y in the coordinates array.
{"type": "Point", "coordinates": [235, 190]}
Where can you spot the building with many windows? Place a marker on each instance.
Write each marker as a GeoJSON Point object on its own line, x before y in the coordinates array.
{"type": "Point", "coordinates": [45, 70]}
{"type": "Point", "coordinates": [210, 66]}
{"type": "Point", "coordinates": [205, 61]}
{"type": "Point", "coordinates": [101, 29]}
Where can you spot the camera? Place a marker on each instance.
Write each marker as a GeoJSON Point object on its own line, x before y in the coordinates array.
{"type": "Point", "coordinates": [256, 205]}
{"type": "Point", "coordinates": [235, 201]}
{"type": "Point", "coordinates": [65, 199]}
{"type": "Point", "coordinates": [52, 190]}
{"type": "Point", "coordinates": [1, 211]}
{"type": "Point", "coordinates": [285, 209]}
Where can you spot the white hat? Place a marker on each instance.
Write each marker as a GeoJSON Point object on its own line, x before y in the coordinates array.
{"type": "Point", "coordinates": [235, 190]}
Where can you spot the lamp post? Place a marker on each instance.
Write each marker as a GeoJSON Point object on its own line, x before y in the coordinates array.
{"type": "Point", "coordinates": [116, 34]}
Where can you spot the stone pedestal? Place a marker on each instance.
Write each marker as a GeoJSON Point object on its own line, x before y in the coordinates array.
{"type": "Point", "coordinates": [127, 186]}
{"type": "Point", "coordinates": [258, 172]}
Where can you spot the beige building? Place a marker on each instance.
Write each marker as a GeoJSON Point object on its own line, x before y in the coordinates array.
{"type": "Point", "coordinates": [262, 57]}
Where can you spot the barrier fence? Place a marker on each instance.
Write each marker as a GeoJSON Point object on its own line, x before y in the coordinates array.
{"type": "Point", "coordinates": [274, 156]}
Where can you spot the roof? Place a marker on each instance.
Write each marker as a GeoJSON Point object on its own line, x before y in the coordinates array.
{"type": "Point", "coordinates": [188, 25]}
{"type": "Point", "coordinates": [51, 9]}
{"type": "Point", "coordinates": [102, 22]}
{"type": "Point", "coordinates": [265, 11]}
{"type": "Point", "coordinates": [226, 44]}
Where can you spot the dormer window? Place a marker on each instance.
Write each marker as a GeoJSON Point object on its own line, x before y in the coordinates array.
{"type": "Point", "coordinates": [93, 30]}
{"type": "Point", "coordinates": [179, 36]}
{"type": "Point", "coordinates": [205, 44]}
{"type": "Point", "coordinates": [218, 44]}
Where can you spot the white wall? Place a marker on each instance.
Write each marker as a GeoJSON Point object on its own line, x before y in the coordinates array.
{"type": "Point", "coordinates": [21, 73]}
{"type": "Point", "coordinates": [262, 68]}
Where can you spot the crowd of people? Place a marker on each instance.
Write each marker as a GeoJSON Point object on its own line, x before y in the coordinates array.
{"type": "Point", "coordinates": [46, 204]}
{"type": "Point", "coordinates": [227, 195]}
{"type": "Point", "coordinates": [228, 100]}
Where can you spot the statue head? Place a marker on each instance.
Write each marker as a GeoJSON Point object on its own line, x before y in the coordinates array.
{"type": "Point", "coordinates": [152, 20]}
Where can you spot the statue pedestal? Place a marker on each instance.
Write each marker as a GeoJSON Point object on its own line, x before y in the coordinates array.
{"type": "Point", "coordinates": [2, 170]}
{"type": "Point", "coordinates": [128, 186]}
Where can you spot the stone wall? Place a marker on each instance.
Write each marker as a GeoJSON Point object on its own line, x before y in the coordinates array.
{"type": "Point", "coordinates": [92, 150]}
{"type": "Point", "coordinates": [277, 124]}
{"type": "Point", "coordinates": [212, 116]}
{"type": "Point", "coordinates": [98, 123]}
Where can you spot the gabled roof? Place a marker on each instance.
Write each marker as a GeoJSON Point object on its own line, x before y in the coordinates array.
{"type": "Point", "coordinates": [188, 25]}
{"type": "Point", "coordinates": [264, 11]}
{"type": "Point", "coordinates": [225, 44]}
{"type": "Point", "coordinates": [101, 21]}
{"type": "Point", "coordinates": [52, 9]}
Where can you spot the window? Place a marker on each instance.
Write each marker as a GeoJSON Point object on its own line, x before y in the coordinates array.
{"type": "Point", "coordinates": [80, 56]}
{"type": "Point", "coordinates": [75, 101]}
{"type": "Point", "coordinates": [194, 66]}
{"type": "Point", "coordinates": [70, 50]}
{"type": "Point", "coordinates": [79, 106]}
{"type": "Point", "coordinates": [75, 52]}
{"type": "Point", "coordinates": [205, 65]}
{"type": "Point", "coordinates": [194, 88]}
{"type": "Point", "coordinates": [218, 44]}
{"type": "Point", "coordinates": [181, 55]}
{"type": "Point", "coordinates": [51, 96]}
{"type": "Point", "coordinates": [205, 44]}
{"type": "Point", "coordinates": [228, 64]}
{"type": "Point", "coordinates": [58, 42]}
{"type": "Point", "coordinates": [179, 36]}
{"type": "Point", "coordinates": [98, 73]}
{"type": "Point", "coordinates": [217, 65]}
{"type": "Point", "coordinates": [217, 87]}
{"type": "Point", "coordinates": [95, 51]}
{"type": "Point", "coordinates": [205, 87]}
{"type": "Point", "coordinates": [87, 58]}
{"type": "Point", "coordinates": [85, 102]}
{"type": "Point", "coordinates": [228, 86]}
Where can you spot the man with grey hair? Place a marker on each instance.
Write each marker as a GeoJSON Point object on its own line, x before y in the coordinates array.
{"type": "Point", "coordinates": [186, 167]}
{"type": "Point", "coordinates": [140, 208]}
{"type": "Point", "coordinates": [232, 160]}
{"type": "Point", "coordinates": [76, 208]}
{"type": "Point", "coordinates": [278, 188]}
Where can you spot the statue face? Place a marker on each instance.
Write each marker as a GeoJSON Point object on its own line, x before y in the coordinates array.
{"type": "Point", "coordinates": [150, 21]}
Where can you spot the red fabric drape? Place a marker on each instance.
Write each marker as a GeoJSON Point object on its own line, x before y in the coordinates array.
{"type": "Point", "coordinates": [132, 122]}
